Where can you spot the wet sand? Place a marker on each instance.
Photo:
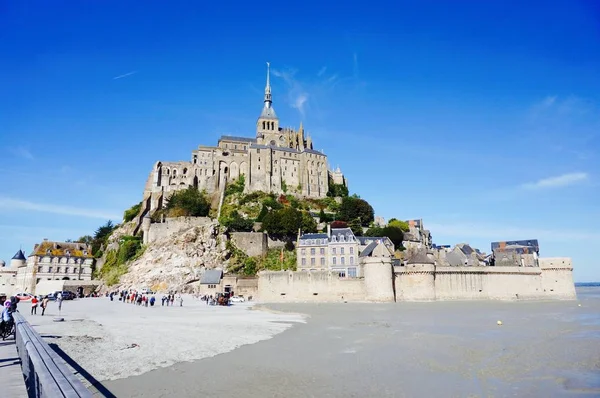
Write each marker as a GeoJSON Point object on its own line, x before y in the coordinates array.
{"type": "Point", "coordinates": [441, 349]}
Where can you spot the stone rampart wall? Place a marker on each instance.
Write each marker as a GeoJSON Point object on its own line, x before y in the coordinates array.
{"type": "Point", "coordinates": [424, 282]}
{"type": "Point", "coordinates": [160, 231]}
{"type": "Point", "coordinates": [251, 243]}
{"type": "Point", "coordinates": [303, 286]}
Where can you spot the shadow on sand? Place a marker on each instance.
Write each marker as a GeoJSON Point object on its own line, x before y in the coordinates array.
{"type": "Point", "coordinates": [95, 384]}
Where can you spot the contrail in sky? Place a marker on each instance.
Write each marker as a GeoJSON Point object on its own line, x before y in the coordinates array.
{"type": "Point", "coordinates": [125, 75]}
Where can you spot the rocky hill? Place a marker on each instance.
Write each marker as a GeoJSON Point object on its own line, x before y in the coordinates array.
{"type": "Point", "coordinates": [169, 263]}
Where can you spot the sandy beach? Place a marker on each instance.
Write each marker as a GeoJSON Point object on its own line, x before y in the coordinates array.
{"type": "Point", "coordinates": [439, 349]}
{"type": "Point", "coordinates": [113, 340]}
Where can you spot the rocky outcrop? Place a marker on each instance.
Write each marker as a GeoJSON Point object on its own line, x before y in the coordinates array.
{"type": "Point", "coordinates": [174, 262]}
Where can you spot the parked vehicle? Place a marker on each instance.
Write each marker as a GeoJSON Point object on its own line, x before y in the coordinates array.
{"type": "Point", "coordinates": [23, 296]}
{"type": "Point", "coordinates": [66, 295]}
{"type": "Point", "coordinates": [145, 290]}
{"type": "Point", "coordinates": [237, 299]}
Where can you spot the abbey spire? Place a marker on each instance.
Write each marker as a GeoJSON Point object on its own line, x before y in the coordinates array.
{"type": "Point", "coordinates": [267, 126]}
{"type": "Point", "coordinates": [268, 98]}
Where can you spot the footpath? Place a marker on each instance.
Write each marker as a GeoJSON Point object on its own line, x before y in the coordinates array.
{"type": "Point", "coordinates": [12, 383]}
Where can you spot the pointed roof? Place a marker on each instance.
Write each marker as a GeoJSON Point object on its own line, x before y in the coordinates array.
{"type": "Point", "coordinates": [420, 257]}
{"type": "Point", "coordinates": [268, 112]}
{"type": "Point", "coordinates": [19, 255]}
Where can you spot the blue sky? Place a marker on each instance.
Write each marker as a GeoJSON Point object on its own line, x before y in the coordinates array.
{"type": "Point", "coordinates": [482, 119]}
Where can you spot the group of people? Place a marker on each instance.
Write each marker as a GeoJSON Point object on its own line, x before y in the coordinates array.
{"type": "Point", "coordinates": [143, 299]}
{"type": "Point", "coordinates": [43, 302]}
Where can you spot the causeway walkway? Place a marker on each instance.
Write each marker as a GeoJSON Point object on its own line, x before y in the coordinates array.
{"type": "Point", "coordinates": [12, 383]}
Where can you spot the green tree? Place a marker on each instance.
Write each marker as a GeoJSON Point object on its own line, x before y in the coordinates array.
{"type": "Point", "coordinates": [395, 234]}
{"type": "Point", "coordinates": [263, 212]}
{"type": "Point", "coordinates": [353, 208]}
{"type": "Point", "coordinates": [356, 228]}
{"type": "Point", "coordinates": [189, 202]}
{"type": "Point", "coordinates": [284, 223]}
{"type": "Point", "coordinates": [87, 239]}
{"type": "Point", "coordinates": [132, 212]}
{"type": "Point", "coordinates": [235, 222]}
{"type": "Point", "coordinates": [337, 190]}
{"type": "Point", "coordinates": [394, 222]}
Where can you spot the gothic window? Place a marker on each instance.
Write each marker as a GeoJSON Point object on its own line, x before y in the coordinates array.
{"type": "Point", "coordinates": [263, 125]}
{"type": "Point", "coordinates": [184, 171]}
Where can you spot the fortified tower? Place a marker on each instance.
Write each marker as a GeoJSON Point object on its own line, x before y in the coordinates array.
{"type": "Point", "coordinates": [379, 275]}
{"type": "Point", "coordinates": [416, 281]}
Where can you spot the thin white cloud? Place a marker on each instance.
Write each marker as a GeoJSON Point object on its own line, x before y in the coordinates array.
{"type": "Point", "coordinates": [322, 71]}
{"type": "Point", "coordinates": [355, 65]}
{"type": "Point", "coordinates": [464, 231]}
{"type": "Point", "coordinates": [560, 181]}
{"type": "Point", "coordinates": [17, 204]}
{"type": "Point", "coordinates": [133, 72]}
{"type": "Point", "coordinates": [21, 152]}
{"type": "Point", "coordinates": [300, 102]}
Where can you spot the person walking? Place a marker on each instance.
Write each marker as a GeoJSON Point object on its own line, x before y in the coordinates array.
{"type": "Point", "coordinates": [59, 299]}
{"type": "Point", "coordinates": [45, 301]}
{"type": "Point", "coordinates": [152, 299]}
{"type": "Point", "coordinates": [180, 299]}
{"type": "Point", "coordinates": [34, 305]}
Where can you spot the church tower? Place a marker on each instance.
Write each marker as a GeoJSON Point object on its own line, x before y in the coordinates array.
{"type": "Point", "coordinates": [267, 126]}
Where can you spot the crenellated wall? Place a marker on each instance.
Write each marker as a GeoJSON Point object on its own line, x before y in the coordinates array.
{"type": "Point", "coordinates": [557, 277]}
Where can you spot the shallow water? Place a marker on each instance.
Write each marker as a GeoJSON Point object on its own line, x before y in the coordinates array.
{"type": "Point", "coordinates": [439, 349]}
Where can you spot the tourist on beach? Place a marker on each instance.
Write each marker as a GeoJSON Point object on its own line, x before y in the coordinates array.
{"type": "Point", "coordinates": [59, 299]}
{"type": "Point", "coordinates": [111, 296]}
{"type": "Point", "coordinates": [172, 299]}
{"type": "Point", "coordinates": [152, 299]}
{"type": "Point", "coordinates": [180, 300]}
{"type": "Point", "coordinates": [45, 301]}
{"type": "Point", "coordinates": [34, 305]}
{"type": "Point", "coordinates": [163, 300]}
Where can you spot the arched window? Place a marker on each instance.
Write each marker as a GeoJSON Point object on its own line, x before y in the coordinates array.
{"type": "Point", "coordinates": [174, 173]}
{"type": "Point", "coordinates": [263, 125]}
{"type": "Point", "coordinates": [185, 171]}
{"type": "Point", "coordinates": [272, 125]}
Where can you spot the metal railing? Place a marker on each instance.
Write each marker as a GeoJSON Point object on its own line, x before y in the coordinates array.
{"type": "Point", "coordinates": [46, 373]}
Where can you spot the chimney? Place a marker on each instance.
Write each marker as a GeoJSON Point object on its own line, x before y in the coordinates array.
{"type": "Point", "coordinates": [328, 231]}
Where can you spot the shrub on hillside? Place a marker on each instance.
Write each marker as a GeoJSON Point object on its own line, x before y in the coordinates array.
{"type": "Point", "coordinates": [189, 202]}
{"type": "Point", "coordinates": [132, 212]}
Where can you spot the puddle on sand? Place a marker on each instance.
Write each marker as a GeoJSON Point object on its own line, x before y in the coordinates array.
{"type": "Point", "coordinates": [588, 382]}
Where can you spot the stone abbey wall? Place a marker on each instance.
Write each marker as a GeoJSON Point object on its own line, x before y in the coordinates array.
{"type": "Point", "coordinates": [162, 230]}
{"type": "Point", "coordinates": [553, 279]}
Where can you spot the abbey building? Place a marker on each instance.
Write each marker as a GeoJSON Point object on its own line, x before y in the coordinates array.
{"type": "Point", "coordinates": [277, 159]}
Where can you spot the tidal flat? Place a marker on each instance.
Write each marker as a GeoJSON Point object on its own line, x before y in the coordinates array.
{"type": "Point", "coordinates": [437, 349]}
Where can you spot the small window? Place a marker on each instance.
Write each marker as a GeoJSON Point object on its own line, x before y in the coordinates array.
{"type": "Point", "coordinates": [303, 261]}
{"type": "Point", "coordinates": [322, 260]}
{"type": "Point", "coordinates": [351, 260]}
{"type": "Point", "coordinates": [333, 260]}
{"type": "Point", "coordinates": [312, 261]}
{"type": "Point", "coordinates": [312, 251]}
{"type": "Point", "coordinates": [303, 251]}
{"type": "Point", "coordinates": [322, 251]}
{"type": "Point", "coordinates": [351, 250]}
{"type": "Point", "coordinates": [343, 260]}
{"type": "Point", "coordinates": [342, 250]}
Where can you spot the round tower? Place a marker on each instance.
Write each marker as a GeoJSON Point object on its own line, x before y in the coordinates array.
{"type": "Point", "coordinates": [378, 274]}
{"type": "Point", "coordinates": [416, 280]}
{"type": "Point", "coordinates": [18, 260]}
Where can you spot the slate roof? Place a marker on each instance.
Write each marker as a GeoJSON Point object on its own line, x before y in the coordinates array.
{"type": "Point", "coordinates": [339, 232]}
{"type": "Point", "coordinates": [19, 255]}
{"type": "Point", "coordinates": [211, 277]}
{"type": "Point", "coordinates": [234, 138]}
{"type": "Point", "coordinates": [268, 113]}
{"type": "Point", "coordinates": [369, 249]}
{"type": "Point", "coordinates": [313, 236]}
{"type": "Point", "coordinates": [420, 258]}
